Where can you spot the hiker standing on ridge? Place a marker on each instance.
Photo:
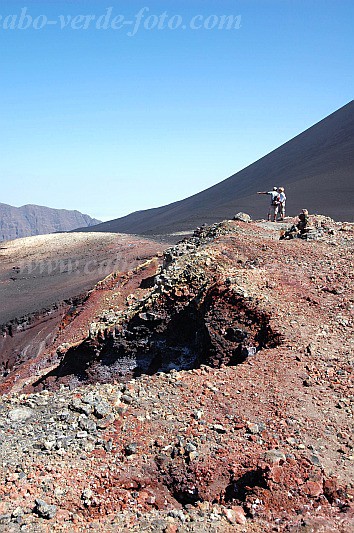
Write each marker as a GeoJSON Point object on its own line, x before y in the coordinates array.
{"type": "Point", "coordinates": [282, 200]}
{"type": "Point", "coordinates": [274, 203]}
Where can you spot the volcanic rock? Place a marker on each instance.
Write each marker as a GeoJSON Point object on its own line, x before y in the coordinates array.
{"type": "Point", "coordinates": [170, 401]}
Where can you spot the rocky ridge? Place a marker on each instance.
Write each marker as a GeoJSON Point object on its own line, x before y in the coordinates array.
{"type": "Point", "coordinates": [210, 392]}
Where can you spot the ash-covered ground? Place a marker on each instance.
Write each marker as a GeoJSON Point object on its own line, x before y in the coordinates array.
{"type": "Point", "coordinates": [206, 390]}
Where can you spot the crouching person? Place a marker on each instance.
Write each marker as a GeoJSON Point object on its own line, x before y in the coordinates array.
{"type": "Point", "coordinates": [299, 229]}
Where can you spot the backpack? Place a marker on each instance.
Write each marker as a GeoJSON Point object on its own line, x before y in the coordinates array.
{"type": "Point", "coordinates": [276, 200]}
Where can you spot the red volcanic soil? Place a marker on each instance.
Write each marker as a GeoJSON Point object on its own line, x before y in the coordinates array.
{"type": "Point", "coordinates": [212, 393]}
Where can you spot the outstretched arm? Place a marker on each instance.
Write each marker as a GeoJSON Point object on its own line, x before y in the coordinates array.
{"type": "Point", "coordinates": [262, 193]}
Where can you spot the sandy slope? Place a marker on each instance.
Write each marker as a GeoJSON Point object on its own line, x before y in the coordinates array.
{"type": "Point", "coordinates": [37, 272]}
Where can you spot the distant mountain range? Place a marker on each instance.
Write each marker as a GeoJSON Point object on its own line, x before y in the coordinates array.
{"type": "Point", "coordinates": [31, 220]}
{"type": "Point", "coordinates": [316, 168]}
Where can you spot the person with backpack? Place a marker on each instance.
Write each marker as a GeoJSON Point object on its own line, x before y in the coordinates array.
{"type": "Point", "coordinates": [282, 200]}
{"type": "Point", "coordinates": [274, 203]}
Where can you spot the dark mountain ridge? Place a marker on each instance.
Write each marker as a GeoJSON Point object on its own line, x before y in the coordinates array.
{"type": "Point", "coordinates": [316, 167]}
{"type": "Point", "coordinates": [30, 220]}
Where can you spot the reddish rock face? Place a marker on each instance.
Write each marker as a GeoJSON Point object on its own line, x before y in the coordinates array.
{"type": "Point", "coordinates": [45, 281]}
{"type": "Point", "coordinates": [209, 386]}
{"type": "Point", "coordinates": [214, 327]}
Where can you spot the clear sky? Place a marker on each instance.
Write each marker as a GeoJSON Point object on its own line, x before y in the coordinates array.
{"type": "Point", "coordinates": [119, 117]}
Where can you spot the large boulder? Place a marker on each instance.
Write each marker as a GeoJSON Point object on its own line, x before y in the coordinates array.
{"type": "Point", "coordinates": [243, 217]}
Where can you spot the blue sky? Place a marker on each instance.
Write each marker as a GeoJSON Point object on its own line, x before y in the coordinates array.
{"type": "Point", "coordinates": [107, 123]}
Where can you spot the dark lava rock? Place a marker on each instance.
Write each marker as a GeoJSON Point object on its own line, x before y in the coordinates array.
{"type": "Point", "coordinates": [131, 449]}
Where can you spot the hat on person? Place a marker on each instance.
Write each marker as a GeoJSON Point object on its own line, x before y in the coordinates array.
{"type": "Point", "coordinates": [275, 188]}
{"type": "Point", "coordinates": [281, 189]}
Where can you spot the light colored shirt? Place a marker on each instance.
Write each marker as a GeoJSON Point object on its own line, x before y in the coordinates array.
{"type": "Point", "coordinates": [273, 196]}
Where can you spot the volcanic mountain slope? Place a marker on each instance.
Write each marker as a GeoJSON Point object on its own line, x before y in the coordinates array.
{"type": "Point", "coordinates": [212, 392]}
{"type": "Point", "coordinates": [316, 168]}
{"type": "Point", "coordinates": [30, 220]}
